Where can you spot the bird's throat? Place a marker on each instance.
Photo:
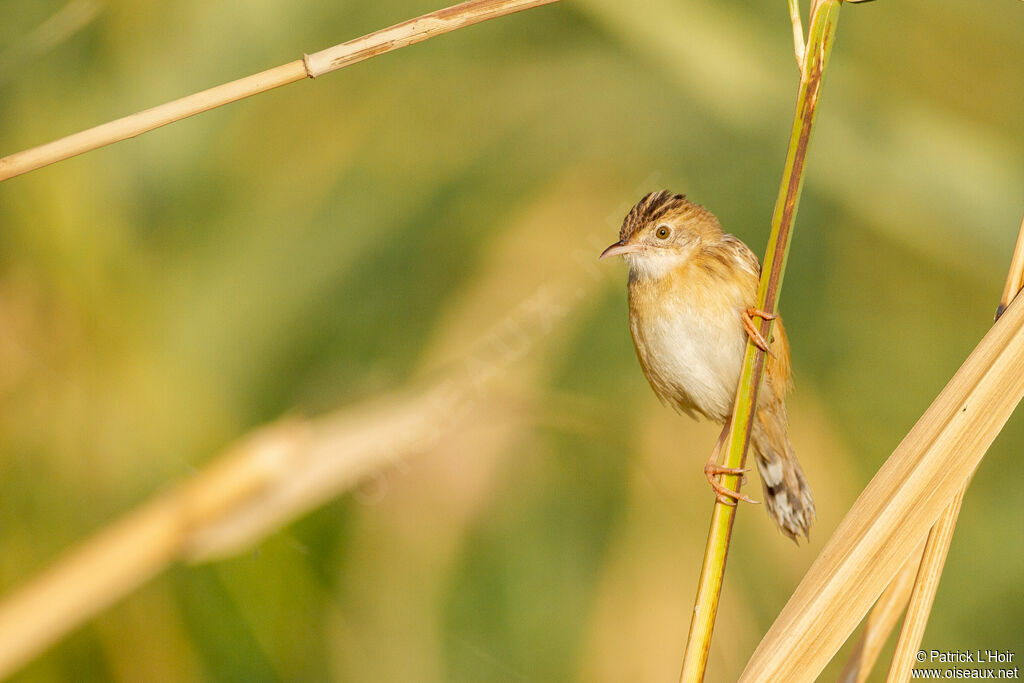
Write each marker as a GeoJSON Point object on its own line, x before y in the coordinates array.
{"type": "Point", "coordinates": [655, 264]}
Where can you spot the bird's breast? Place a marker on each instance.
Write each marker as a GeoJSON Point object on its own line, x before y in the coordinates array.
{"type": "Point", "coordinates": [690, 347]}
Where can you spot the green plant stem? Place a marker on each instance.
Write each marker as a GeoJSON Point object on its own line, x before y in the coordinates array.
{"type": "Point", "coordinates": [824, 16]}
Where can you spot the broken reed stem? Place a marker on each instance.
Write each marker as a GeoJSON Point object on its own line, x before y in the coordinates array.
{"type": "Point", "coordinates": [880, 622]}
{"type": "Point", "coordinates": [798, 33]}
{"type": "Point", "coordinates": [926, 564]}
{"type": "Point", "coordinates": [310, 66]}
{"type": "Point", "coordinates": [893, 514]}
{"type": "Point", "coordinates": [923, 595]}
{"type": "Point", "coordinates": [823, 20]}
{"type": "Point", "coordinates": [129, 552]}
{"type": "Point", "coordinates": [941, 535]}
{"type": "Point", "coordinates": [266, 479]}
{"type": "Point", "coordinates": [1014, 278]}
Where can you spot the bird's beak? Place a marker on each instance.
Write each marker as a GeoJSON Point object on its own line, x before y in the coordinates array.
{"type": "Point", "coordinates": [620, 248]}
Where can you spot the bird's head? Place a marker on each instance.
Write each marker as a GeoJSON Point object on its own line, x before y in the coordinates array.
{"type": "Point", "coordinates": [663, 231]}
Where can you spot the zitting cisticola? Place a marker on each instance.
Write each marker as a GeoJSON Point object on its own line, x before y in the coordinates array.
{"type": "Point", "coordinates": [692, 289]}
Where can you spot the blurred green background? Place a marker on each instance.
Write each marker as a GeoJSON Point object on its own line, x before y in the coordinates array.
{"type": "Point", "coordinates": [333, 241]}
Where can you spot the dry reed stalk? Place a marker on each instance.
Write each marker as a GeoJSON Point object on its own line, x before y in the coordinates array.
{"type": "Point", "coordinates": [61, 25]}
{"type": "Point", "coordinates": [310, 66]}
{"type": "Point", "coordinates": [880, 622]}
{"type": "Point", "coordinates": [129, 552]}
{"type": "Point", "coordinates": [267, 479]}
{"type": "Point", "coordinates": [893, 514]}
{"type": "Point", "coordinates": [941, 535]}
{"type": "Point", "coordinates": [824, 15]}
{"type": "Point", "coordinates": [1015, 278]}
{"type": "Point", "coordinates": [798, 33]}
{"type": "Point", "coordinates": [925, 569]}
{"type": "Point", "coordinates": [923, 596]}
{"type": "Point", "coordinates": [258, 485]}
{"type": "Point", "coordinates": [288, 468]}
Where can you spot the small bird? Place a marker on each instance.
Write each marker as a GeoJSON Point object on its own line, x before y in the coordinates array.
{"type": "Point", "coordinates": [692, 297]}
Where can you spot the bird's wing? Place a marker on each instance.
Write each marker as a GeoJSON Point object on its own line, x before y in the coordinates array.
{"type": "Point", "coordinates": [778, 365]}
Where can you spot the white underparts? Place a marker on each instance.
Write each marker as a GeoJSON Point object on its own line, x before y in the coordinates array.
{"type": "Point", "coordinates": [654, 263]}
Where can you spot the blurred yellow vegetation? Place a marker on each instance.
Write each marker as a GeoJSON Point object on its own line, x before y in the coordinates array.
{"type": "Point", "coordinates": [334, 249]}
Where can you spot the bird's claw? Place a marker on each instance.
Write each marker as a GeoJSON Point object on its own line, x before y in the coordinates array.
{"type": "Point", "coordinates": [726, 496]}
{"type": "Point", "coordinates": [752, 331]}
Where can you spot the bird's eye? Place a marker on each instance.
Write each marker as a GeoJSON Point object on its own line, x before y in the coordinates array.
{"type": "Point", "coordinates": [662, 232]}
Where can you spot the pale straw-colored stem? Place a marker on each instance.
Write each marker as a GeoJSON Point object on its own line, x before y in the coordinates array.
{"type": "Point", "coordinates": [894, 513]}
{"type": "Point", "coordinates": [798, 32]}
{"type": "Point", "coordinates": [283, 470]}
{"type": "Point", "coordinates": [310, 66]}
{"type": "Point", "coordinates": [267, 479]}
{"type": "Point", "coordinates": [1015, 278]}
{"type": "Point", "coordinates": [923, 596]}
{"type": "Point", "coordinates": [927, 570]}
{"type": "Point", "coordinates": [145, 121]}
{"type": "Point", "coordinates": [61, 25]}
{"type": "Point", "coordinates": [122, 556]}
{"type": "Point", "coordinates": [880, 622]}
{"type": "Point", "coordinates": [941, 535]}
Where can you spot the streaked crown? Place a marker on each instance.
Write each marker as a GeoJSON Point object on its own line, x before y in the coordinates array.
{"type": "Point", "coordinates": [665, 206]}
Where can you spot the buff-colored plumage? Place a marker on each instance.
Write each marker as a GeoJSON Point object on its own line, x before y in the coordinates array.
{"type": "Point", "coordinates": [689, 285]}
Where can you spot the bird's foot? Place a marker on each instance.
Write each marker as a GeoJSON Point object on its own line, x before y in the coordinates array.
{"type": "Point", "coordinates": [752, 331]}
{"type": "Point", "coordinates": [725, 495]}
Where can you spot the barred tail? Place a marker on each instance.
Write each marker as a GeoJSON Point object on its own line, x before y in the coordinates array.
{"type": "Point", "coordinates": [786, 491]}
